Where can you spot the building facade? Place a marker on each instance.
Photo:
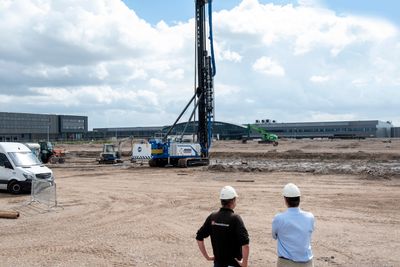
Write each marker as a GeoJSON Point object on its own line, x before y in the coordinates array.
{"type": "Point", "coordinates": [123, 132]}
{"type": "Point", "coordinates": [396, 132]}
{"type": "Point", "coordinates": [229, 131]}
{"type": "Point", "coordinates": [27, 127]}
{"type": "Point", "coordinates": [334, 129]}
{"type": "Point", "coordinates": [221, 130]}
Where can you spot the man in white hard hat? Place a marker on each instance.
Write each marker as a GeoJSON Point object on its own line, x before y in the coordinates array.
{"type": "Point", "coordinates": [229, 237]}
{"type": "Point", "coordinates": [293, 229]}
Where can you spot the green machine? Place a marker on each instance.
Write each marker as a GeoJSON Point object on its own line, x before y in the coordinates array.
{"type": "Point", "coordinates": [266, 137]}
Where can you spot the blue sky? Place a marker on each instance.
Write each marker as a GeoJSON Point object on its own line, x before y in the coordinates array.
{"type": "Point", "coordinates": [181, 10]}
{"type": "Point", "coordinates": [115, 62]}
{"type": "Point", "coordinates": [388, 9]}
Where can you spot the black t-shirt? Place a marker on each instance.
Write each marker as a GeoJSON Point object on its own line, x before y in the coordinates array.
{"type": "Point", "coordinates": [228, 235]}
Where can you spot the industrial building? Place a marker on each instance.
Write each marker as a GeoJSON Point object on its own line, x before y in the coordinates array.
{"type": "Point", "coordinates": [123, 132]}
{"type": "Point", "coordinates": [229, 131]}
{"type": "Point", "coordinates": [395, 132]}
{"type": "Point", "coordinates": [26, 127]}
{"type": "Point", "coordinates": [221, 130]}
{"type": "Point", "coordinates": [334, 129]}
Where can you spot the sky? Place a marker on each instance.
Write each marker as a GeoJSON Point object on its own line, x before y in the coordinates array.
{"type": "Point", "coordinates": [131, 63]}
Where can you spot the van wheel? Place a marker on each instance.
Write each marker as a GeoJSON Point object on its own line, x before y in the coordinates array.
{"type": "Point", "coordinates": [14, 187]}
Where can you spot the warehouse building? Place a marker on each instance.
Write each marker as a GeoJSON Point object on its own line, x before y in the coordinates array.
{"type": "Point", "coordinates": [334, 129]}
{"type": "Point", "coordinates": [396, 132]}
{"type": "Point", "coordinates": [123, 132]}
{"type": "Point", "coordinates": [221, 130]}
{"type": "Point", "coordinates": [27, 127]}
{"type": "Point", "coordinates": [229, 131]}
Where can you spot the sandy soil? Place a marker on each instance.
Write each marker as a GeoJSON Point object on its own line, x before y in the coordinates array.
{"type": "Point", "coordinates": [133, 215]}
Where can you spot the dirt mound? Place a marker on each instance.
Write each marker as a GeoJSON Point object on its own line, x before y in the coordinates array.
{"type": "Point", "coordinates": [364, 168]}
{"type": "Point", "coordinates": [299, 154]}
{"type": "Point", "coordinates": [351, 145]}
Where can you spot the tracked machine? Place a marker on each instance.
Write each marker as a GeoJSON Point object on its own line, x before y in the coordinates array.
{"type": "Point", "coordinates": [112, 153]}
{"type": "Point", "coordinates": [266, 137]}
{"type": "Point", "coordinates": [167, 151]}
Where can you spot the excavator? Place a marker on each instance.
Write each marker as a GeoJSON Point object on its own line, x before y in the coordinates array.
{"type": "Point", "coordinates": [167, 151]}
{"type": "Point", "coordinates": [112, 153]}
{"type": "Point", "coordinates": [266, 137]}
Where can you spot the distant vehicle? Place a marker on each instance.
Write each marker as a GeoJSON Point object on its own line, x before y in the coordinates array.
{"type": "Point", "coordinates": [266, 137]}
{"type": "Point", "coordinates": [18, 166]}
{"type": "Point", "coordinates": [49, 154]}
{"type": "Point", "coordinates": [112, 153]}
{"type": "Point", "coordinates": [35, 148]}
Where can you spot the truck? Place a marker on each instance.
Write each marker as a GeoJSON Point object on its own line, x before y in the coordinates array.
{"type": "Point", "coordinates": [19, 166]}
{"type": "Point", "coordinates": [175, 152]}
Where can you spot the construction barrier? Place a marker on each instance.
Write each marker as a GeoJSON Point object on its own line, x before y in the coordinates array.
{"type": "Point", "coordinates": [44, 192]}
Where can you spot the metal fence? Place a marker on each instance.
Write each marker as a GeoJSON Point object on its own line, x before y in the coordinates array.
{"type": "Point", "coordinates": [44, 192]}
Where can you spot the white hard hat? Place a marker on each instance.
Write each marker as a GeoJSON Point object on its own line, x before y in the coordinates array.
{"type": "Point", "coordinates": [228, 192]}
{"type": "Point", "coordinates": [291, 190]}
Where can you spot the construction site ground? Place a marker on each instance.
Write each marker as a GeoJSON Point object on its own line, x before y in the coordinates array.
{"type": "Point", "coordinates": [132, 215]}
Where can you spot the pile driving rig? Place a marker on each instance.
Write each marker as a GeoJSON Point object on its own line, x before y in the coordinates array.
{"type": "Point", "coordinates": [175, 152]}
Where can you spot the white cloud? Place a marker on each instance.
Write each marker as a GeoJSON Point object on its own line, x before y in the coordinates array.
{"type": "Point", "coordinates": [317, 116]}
{"type": "Point", "coordinates": [306, 27]}
{"type": "Point", "coordinates": [157, 83]}
{"type": "Point", "coordinates": [359, 82]}
{"type": "Point", "coordinates": [225, 90]}
{"type": "Point", "coordinates": [309, 2]}
{"type": "Point", "coordinates": [268, 66]}
{"type": "Point", "coordinates": [92, 97]}
{"type": "Point", "coordinates": [230, 56]}
{"type": "Point", "coordinates": [177, 74]}
{"type": "Point", "coordinates": [101, 71]}
{"type": "Point", "coordinates": [289, 62]}
{"type": "Point", "coordinates": [319, 79]}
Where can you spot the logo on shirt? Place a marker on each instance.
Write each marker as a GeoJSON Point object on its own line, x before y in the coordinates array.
{"type": "Point", "coordinates": [219, 224]}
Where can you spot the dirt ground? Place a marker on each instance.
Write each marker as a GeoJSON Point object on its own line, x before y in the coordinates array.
{"type": "Point", "coordinates": [133, 215]}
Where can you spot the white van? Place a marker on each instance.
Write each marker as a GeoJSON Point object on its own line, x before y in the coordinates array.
{"type": "Point", "coordinates": [18, 166]}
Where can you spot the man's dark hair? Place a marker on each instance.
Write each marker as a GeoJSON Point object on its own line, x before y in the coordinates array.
{"type": "Point", "coordinates": [293, 202]}
{"type": "Point", "coordinates": [226, 202]}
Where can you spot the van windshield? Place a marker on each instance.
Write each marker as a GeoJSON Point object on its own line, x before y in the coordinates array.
{"type": "Point", "coordinates": [23, 159]}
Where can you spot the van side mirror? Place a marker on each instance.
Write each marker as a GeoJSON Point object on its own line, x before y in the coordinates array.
{"type": "Point", "coordinates": [8, 165]}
